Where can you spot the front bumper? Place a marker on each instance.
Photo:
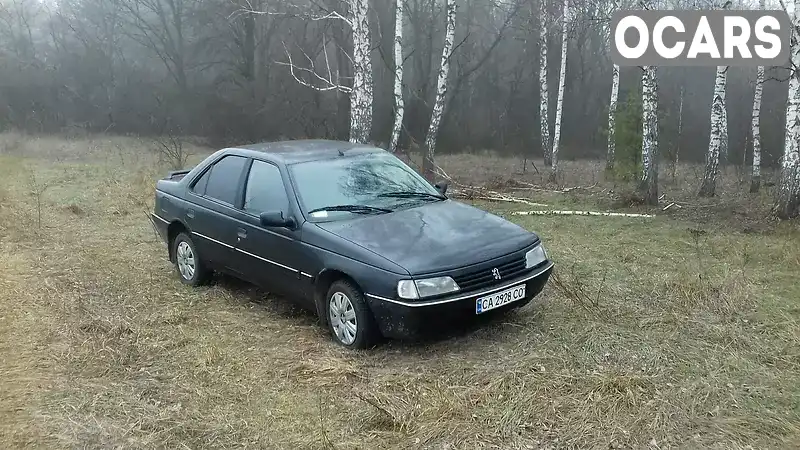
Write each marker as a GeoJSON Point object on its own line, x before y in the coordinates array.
{"type": "Point", "coordinates": [402, 319]}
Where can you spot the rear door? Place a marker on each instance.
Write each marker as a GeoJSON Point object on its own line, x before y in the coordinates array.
{"type": "Point", "coordinates": [213, 196]}
{"type": "Point", "coordinates": [270, 256]}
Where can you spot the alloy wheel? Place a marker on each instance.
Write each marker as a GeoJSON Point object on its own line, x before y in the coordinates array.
{"type": "Point", "coordinates": [342, 317]}
{"type": "Point", "coordinates": [186, 263]}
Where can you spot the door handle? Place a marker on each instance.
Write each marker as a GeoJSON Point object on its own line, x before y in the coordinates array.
{"type": "Point", "coordinates": [190, 214]}
{"type": "Point", "coordinates": [242, 233]}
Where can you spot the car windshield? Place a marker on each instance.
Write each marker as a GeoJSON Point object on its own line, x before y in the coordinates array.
{"type": "Point", "coordinates": [374, 183]}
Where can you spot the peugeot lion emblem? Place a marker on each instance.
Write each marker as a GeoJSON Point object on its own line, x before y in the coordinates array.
{"type": "Point", "coordinates": [496, 273]}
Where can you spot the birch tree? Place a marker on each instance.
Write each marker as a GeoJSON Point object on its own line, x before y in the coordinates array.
{"type": "Point", "coordinates": [648, 187]}
{"type": "Point", "coordinates": [755, 182]}
{"type": "Point", "coordinates": [723, 148]}
{"type": "Point", "coordinates": [361, 94]}
{"type": "Point", "coordinates": [612, 104]}
{"type": "Point", "coordinates": [399, 106]}
{"type": "Point", "coordinates": [562, 80]}
{"type": "Point", "coordinates": [788, 199]}
{"type": "Point", "coordinates": [677, 151]}
{"type": "Point", "coordinates": [544, 98]}
{"type": "Point", "coordinates": [718, 137]}
{"type": "Point", "coordinates": [361, 91]}
{"type": "Point", "coordinates": [612, 114]}
{"type": "Point", "coordinates": [441, 91]}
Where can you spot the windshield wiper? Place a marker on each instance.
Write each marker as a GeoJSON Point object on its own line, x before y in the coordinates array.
{"type": "Point", "coordinates": [411, 194]}
{"type": "Point", "coordinates": [357, 209]}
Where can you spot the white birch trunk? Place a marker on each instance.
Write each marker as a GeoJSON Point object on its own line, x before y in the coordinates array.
{"type": "Point", "coordinates": [677, 154]}
{"type": "Point", "coordinates": [612, 104]}
{"type": "Point", "coordinates": [755, 181]}
{"type": "Point", "coordinates": [788, 199]}
{"type": "Point", "coordinates": [544, 98]}
{"type": "Point", "coordinates": [649, 182]}
{"type": "Point", "coordinates": [723, 147]}
{"type": "Point", "coordinates": [718, 134]}
{"type": "Point", "coordinates": [578, 213]}
{"type": "Point", "coordinates": [441, 91]}
{"type": "Point", "coordinates": [561, 84]}
{"type": "Point", "coordinates": [399, 105]}
{"type": "Point", "coordinates": [612, 115]}
{"type": "Point", "coordinates": [361, 95]}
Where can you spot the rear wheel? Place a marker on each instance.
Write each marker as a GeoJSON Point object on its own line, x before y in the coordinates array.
{"type": "Point", "coordinates": [190, 267]}
{"type": "Point", "coordinates": [350, 320]}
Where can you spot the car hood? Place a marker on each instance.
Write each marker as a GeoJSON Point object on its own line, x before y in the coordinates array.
{"type": "Point", "coordinates": [434, 236]}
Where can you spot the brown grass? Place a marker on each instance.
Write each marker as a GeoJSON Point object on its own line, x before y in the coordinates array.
{"type": "Point", "coordinates": [587, 186]}
{"type": "Point", "coordinates": [657, 333]}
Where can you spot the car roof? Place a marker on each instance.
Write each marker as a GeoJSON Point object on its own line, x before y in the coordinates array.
{"type": "Point", "coordinates": [303, 150]}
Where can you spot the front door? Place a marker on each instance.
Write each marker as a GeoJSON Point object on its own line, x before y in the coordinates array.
{"type": "Point", "coordinates": [268, 256]}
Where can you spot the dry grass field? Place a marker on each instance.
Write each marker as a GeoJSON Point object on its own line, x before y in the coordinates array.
{"type": "Point", "coordinates": [678, 331]}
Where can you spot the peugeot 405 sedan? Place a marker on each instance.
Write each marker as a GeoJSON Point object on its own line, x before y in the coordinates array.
{"type": "Point", "coordinates": [349, 231]}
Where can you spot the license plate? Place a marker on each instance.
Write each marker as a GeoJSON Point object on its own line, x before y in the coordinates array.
{"type": "Point", "coordinates": [499, 299]}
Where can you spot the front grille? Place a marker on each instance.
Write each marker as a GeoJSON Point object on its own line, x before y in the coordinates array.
{"type": "Point", "coordinates": [484, 277]}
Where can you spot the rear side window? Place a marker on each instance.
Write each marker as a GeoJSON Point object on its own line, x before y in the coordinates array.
{"type": "Point", "coordinates": [200, 185]}
{"type": "Point", "coordinates": [223, 181]}
{"type": "Point", "coordinates": [265, 190]}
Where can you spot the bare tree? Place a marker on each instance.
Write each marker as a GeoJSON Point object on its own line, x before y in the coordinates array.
{"type": "Point", "coordinates": [755, 182]}
{"type": "Point", "coordinates": [399, 105]}
{"type": "Point", "coordinates": [676, 152]}
{"type": "Point", "coordinates": [361, 103]}
{"type": "Point", "coordinates": [718, 140]}
{"type": "Point", "coordinates": [787, 205]}
{"type": "Point", "coordinates": [170, 151]}
{"type": "Point", "coordinates": [544, 98]}
{"type": "Point", "coordinates": [612, 104]}
{"type": "Point", "coordinates": [648, 187]}
{"type": "Point", "coordinates": [18, 25]}
{"type": "Point", "coordinates": [96, 25]}
{"type": "Point", "coordinates": [562, 81]}
{"type": "Point", "coordinates": [612, 114]}
{"type": "Point", "coordinates": [161, 27]}
{"type": "Point", "coordinates": [441, 91]}
{"type": "Point", "coordinates": [718, 136]}
{"type": "Point", "coordinates": [360, 92]}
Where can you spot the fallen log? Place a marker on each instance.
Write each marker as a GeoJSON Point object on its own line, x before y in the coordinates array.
{"type": "Point", "coordinates": [577, 213]}
{"type": "Point", "coordinates": [512, 200]}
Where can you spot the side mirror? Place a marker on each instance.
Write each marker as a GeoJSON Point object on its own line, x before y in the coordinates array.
{"type": "Point", "coordinates": [276, 219]}
{"type": "Point", "coordinates": [442, 186]}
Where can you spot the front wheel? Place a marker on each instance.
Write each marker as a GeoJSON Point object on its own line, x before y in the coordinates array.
{"type": "Point", "coordinates": [349, 319]}
{"type": "Point", "coordinates": [190, 267]}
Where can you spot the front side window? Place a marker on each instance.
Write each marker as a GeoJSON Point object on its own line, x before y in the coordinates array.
{"type": "Point", "coordinates": [379, 181]}
{"type": "Point", "coordinates": [265, 190]}
{"type": "Point", "coordinates": [223, 183]}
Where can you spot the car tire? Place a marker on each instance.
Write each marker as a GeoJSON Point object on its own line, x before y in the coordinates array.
{"type": "Point", "coordinates": [347, 310]}
{"type": "Point", "coordinates": [190, 267]}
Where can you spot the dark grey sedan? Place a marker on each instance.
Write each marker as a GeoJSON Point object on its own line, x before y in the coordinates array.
{"type": "Point", "coordinates": [350, 232]}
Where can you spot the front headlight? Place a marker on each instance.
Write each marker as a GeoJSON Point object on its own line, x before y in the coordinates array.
{"type": "Point", "coordinates": [414, 289]}
{"type": "Point", "coordinates": [407, 289]}
{"type": "Point", "coordinates": [535, 256]}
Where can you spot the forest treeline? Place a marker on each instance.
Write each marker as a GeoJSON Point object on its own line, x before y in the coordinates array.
{"type": "Point", "coordinates": [435, 75]}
